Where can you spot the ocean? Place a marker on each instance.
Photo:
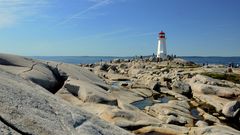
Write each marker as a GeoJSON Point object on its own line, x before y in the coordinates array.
{"type": "Point", "coordinates": [214, 60]}
{"type": "Point", "coordinates": [94, 59]}
{"type": "Point", "coordinates": [78, 59]}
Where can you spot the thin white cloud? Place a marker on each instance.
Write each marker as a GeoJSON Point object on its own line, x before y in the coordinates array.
{"type": "Point", "coordinates": [145, 34]}
{"type": "Point", "coordinates": [15, 11]}
{"type": "Point", "coordinates": [19, 11]}
{"type": "Point", "coordinates": [112, 33]}
{"type": "Point", "coordinates": [98, 4]}
{"type": "Point", "coordinates": [137, 35]}
{"type": "Point", "coordinates": [6, 20]}
{"type": "Point", "coordinates": [105, 35]}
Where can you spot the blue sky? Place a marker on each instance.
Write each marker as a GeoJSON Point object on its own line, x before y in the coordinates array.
{"type": "Point", "coordinates": [119, 27]}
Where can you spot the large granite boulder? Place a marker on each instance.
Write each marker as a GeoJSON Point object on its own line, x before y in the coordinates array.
{"type": "Point", "coordinates": [143, 92]}
{"type": "Point", "coordinates": [68, 96]}
{"type": "Point", "coordinates": [182, 88]}
{"type": "Point", "coordinates": [116, 60]}
{"type": "Point", "coordinates": [232, 109]}
{"type": "Point", "coordinates": [174, 112]}
{"type": "Point", "coordinates": [201, 123]}
{"type": "Point", "coordinates": [78, 73]}
{"type": "Point", "coordinates": [128, 119]}
{"type": "Point", "coordinates": [125, 95]}
{"type": "Point", "coordinates": [153, 85]}
{"type": "Point", "coordinates": [214, 90]}
{"type": "Point", "coordinates": [34, 70]}
{"type": "Point", "coordinates": [49, 75]}
{"type": "Point", "coordinates": [116, 77]}
{"type": "Point", "coordinates": [183, 62]}
{"type": "Point", "coordinates": [212, 100]}
{"type": "Point", "coordinates": [29, 109]}
{"type": "Point", "coordinates": [14, 60]}
{"type": "Point", "coordinates": [165, 129]}
{"type": "Point", "coordinates": [89, 92]}
{"type": "Point", "coordinates": [213, 130]}
{"type": "Point", "coordinates": [104, 67]}
{"type": "Point", "coordinates": [215, 82]}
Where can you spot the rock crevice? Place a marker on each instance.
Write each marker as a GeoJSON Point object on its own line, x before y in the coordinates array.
{"type": "Point", "coordinates": [13, 127]}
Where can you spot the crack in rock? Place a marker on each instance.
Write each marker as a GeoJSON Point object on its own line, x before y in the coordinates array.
{"type": "Point", "coordinates": [13, 127]}
{"type": "Point", "coordinates": [31, 68]}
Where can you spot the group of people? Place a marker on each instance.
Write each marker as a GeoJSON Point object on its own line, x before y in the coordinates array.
{"type": "Point", "coordinates": [233, 65]}
{"type": "Point", "coordinates": [205, 64]}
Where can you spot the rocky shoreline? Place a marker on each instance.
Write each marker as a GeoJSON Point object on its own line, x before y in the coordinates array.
{"type": "Point", "coordinates": [119, 98]}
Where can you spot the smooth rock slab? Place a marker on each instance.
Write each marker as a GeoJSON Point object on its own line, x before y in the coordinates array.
{"type": "Point", "coordinates": [232, 109]}
{"type": "Point", "coordinates": [123, 118]}
{"type": "Point", "coordinates": [14, 60]}
{"type": "Point", "coordinates": [143, 92]}
{"type": "Point", "coordinates": [67, 96]}
{"type": "Point", "coordinates": [116, 77]}
{"type": "Point", "coordinates": [214, 130]}
{"type": "Point", "coordinates": [182, 88]}
{"type": "Point", "coordinates": [213, 100]}
{"type": "Point", "coordinates": [125, 95]}
{"type": "Point", "coordinates": [165, 129]}
{"type": "Point", "coordinates": [29, 69]}
{"type": "Point", "coordinates": [171, 113]}
{"type": "Point", "coordinates": [210, 81]}
{"type": "Point", "coordinates": [89, 92]}
{"type": "Point", "coordinates": [214, 90]}
{"type": "Point", "coordinates": [78, 73]}
{"type": "Point", "coordinates": [33, 110]}
{"type": "Point", "coordinates": [6, 130]}
{"type": "Point", "coordinates": [201, 123]}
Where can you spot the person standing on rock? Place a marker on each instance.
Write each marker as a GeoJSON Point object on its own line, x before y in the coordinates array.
{"type": "Point", "coordinates": [101, 61]}
{"type": "Point", "coordinates": [229, 70]}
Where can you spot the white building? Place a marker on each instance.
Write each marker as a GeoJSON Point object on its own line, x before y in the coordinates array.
{"type": "Point", "coordinates": [162, 48]}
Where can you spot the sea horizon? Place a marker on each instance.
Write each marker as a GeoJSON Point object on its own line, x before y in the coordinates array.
{"type": "Point", "coordinates": [113, 56]}
{"type": "Point", "coordinates": [222, 60]}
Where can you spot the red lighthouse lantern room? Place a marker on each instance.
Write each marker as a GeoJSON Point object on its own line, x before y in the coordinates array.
{"type": "Point", "coordinates": [161, 34]}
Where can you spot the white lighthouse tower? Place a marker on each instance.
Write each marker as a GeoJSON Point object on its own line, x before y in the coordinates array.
{"type": "Point", "coordinates": [162, 49]}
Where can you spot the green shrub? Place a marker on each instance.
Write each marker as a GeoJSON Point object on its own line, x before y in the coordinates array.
{"type": "Point", "coordinates": [227, 76]}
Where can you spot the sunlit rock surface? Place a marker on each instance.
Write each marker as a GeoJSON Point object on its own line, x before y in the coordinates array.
{"type": "Point", "coordinates": [118, 97]}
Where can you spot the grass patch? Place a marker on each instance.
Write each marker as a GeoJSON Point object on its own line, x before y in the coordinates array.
{"type": "Point", "coordinates": [232, 77]}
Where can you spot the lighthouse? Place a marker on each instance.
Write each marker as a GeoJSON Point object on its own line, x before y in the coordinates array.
{"type": "Point", "coordinates": [162, 49]}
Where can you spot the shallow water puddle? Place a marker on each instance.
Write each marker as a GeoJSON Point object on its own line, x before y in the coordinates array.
{"type": "Point", "coordinates": [118, 84]}
{"type": "Point", "coordinates": [143, 103]}
{"type": "Point", "coordinates": [159, 98]}
{"type": "Point", "coordinates": [163, 98]}
{"type": "Point", "coordinates": [195, 114]}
